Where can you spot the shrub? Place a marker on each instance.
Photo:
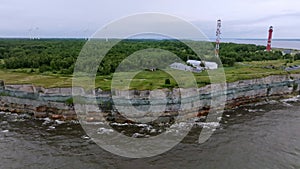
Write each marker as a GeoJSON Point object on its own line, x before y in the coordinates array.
{"type": "Point", "coordinates": [167, 81]}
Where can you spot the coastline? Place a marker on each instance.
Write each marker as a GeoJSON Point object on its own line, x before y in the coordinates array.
{"type": "Point", "coordinates": [57, 103]}
{"type": "Point", "coordinates": [276, 43]}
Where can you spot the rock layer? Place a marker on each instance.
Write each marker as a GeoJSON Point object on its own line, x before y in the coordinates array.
{"type": "Point", "coordinates": [57, 103]}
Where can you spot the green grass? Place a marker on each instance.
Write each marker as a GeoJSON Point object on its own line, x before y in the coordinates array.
{"type": "Point", "coordinates": [151, 80]}
{"type": "Point", "coordinates": [39, 80]}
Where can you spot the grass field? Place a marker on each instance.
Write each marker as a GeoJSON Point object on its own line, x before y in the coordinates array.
{"type": "Point", "coordinates": [152, 80]}
{"type": "Point", "coordinates": [47, 81]}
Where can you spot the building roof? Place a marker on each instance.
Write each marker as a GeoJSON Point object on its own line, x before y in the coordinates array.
{"type": "Point", "coordinates": [181, 66]}
{"type": "Point", "coordinates": [209, 65]}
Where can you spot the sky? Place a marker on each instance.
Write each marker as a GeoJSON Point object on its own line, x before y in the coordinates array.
{"type": "Point", "coordinates": [82, 18]}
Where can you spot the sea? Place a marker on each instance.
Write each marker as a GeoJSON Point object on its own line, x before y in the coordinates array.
{"type": "Point", "coordinates": [276, 43]}
{"type": "Point", "coordinates": [261, 135]}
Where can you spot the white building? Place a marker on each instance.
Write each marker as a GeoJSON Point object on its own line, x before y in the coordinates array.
{"type": "Point", "coordinates": [180, 66]}
{"type": "Point", "coordinates": [208, 65]}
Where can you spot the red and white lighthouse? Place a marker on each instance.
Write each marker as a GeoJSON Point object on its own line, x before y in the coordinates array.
{"type": "Point", "coordinates": [270, 39]}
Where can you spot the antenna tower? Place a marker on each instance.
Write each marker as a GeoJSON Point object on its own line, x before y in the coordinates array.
{"type": "Point", "coordinates": [218, 34]}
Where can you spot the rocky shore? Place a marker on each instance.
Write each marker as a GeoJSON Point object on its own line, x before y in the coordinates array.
{"type": "Point", "coordinates": [57, 103]}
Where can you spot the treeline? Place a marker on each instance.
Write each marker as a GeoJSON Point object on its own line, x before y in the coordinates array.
{"type": "Point", "coordinates": [231, 53]}
{"type": "Point", "coordinates": [147, 54]}
{"type": "Point", "coordinates": [55, 55]}
{"type": "Point", "coordinates": [59, 55]}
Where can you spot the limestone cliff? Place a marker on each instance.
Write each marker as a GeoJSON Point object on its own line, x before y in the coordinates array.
{"type": "Point", "coordinates": [57, 103]}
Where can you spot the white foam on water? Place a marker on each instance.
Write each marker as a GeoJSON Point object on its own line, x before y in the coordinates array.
{"type": "Point", "coordinates": [75, 122]}
{"type": "Point", "coordinates": [45, 123]}
{"type": "Point", "coordinates": [90, 123]}
{"type": "Point", "coordinates": [293, 99]}
{"type": "Point", "coordinates": [272, 102]}
{"type": "Point", "coordinates": [209, 125]}
{"type": "Point", "coordinates": [47, 119]}
{"type": "Point", "coordinates": [182, 125]}
{"type": "Point", "coordinates": [142, 125]}
{"type": "Point", "coordinates": [51, 127]}
{"type": "Point", "coordinates": [59, 122]}
{"type": "Point", "coordinates": [120, 124]}
{"type": "Point", "coordinates": [85, 137]}
{"type": "Point", "coordinates": [287, 104]}
{"type": "Point", "coordinates": [103, 130]}
{"type": "Point", "coordinates": [138, 135]}
{"type": "Point", "coordinates": [25, 116]}
{"type": "Point", "coordinates": [254, 110]}
{"type": "Point", "coordinates": [153, 131]}
{"type": "Point", "coordinates": [177, 128]}
{"type": "Point", "coordinates": [4, 122]}
{"type": "Point", "coordinates": [266, 102]}
{"type": "Point", "coordinates": [128, 124]}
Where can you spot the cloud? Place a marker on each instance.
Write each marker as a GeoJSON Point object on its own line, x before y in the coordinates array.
{"type": "Point", "coordinates": [285, 26]}
{"type": "Point", "coordinates": [71, 18]}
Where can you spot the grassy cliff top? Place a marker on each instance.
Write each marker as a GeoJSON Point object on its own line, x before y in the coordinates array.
{"type": "Point", "coordinates": [152, 80]}
{"type": "Point", "coordinates": [50, 62]}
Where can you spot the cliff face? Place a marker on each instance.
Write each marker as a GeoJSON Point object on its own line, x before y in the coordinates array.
{"type": "Point", "coordinates": [37, 101]}
{"type": "Point", "coordinates": [57, 103]}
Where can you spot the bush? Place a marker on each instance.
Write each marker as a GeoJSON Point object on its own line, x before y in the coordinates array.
{"type": "Point", "coordinates": [297, 56]}
{"type": "Point", "coordinates": [228, 61]}
{"type": "Point", "coordinates": [167, 82]}
{"type": "Point", "coordinates": [44, 68]}
{"type": "Point", "coordinates": [70, 101]}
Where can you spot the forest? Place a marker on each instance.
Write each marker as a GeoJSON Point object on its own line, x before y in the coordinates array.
{"type": "Point", "coordinates": [58, 56]}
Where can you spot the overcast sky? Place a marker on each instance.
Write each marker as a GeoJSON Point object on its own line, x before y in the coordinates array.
{"type": "Point", "coordinates": [81, 18]}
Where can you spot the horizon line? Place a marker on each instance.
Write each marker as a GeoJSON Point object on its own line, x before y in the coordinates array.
{"type": "Point", "coordinates": [146, 38]}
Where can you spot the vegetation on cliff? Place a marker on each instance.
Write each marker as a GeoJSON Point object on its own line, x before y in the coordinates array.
{"type": "Point", "coordinates": [50, 62]}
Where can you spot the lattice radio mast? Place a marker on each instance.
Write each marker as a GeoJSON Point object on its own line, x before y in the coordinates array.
{"type": "Point", "coordinates": [218, 34]}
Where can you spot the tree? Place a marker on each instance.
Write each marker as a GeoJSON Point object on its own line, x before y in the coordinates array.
{"type": "Point", "coordinates": [44, 68]}
{"type": "Point", "coordinates": [297, 56]}
{"type": "Point", "coordinates": [167, 82]}
{"type": "Point", "coordinates": [227, 61]}
{"type": "Point", "coordinates": [288, 57]}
